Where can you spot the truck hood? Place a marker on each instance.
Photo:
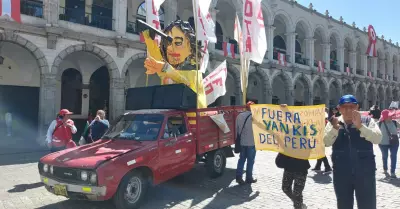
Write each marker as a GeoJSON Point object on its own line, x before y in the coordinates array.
{"type": "Point", "coordinates": [91, 155]}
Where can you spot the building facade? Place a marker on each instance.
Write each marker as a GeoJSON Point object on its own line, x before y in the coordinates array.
{"type": "Point", "coordinates": [84, 54]}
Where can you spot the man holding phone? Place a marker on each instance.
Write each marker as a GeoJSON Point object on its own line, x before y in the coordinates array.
{"type": "Point", "coordinates": [352, 137]}
{"type": "Point", "coordinates": [59, 134]}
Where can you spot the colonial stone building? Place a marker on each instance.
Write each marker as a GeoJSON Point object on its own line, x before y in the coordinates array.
{"type": "Point", "coordinates": [84, 54]}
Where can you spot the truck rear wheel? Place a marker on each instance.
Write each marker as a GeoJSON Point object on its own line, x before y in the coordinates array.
{"type": "Point", "coordinates": [216, 163]}
{"type": "Point", "coordinates": [131, 191]}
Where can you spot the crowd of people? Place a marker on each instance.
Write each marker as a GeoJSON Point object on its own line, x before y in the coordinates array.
{"type": "Point", "coordinates": [60, 131]}
{"type": "Point", "coordinates": [351, 136]}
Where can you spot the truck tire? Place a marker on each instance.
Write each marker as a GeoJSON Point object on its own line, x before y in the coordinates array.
{"type": "Point", "coordinates": [216, 163]}
{"type": "Point", "coordinates": [131, 191]}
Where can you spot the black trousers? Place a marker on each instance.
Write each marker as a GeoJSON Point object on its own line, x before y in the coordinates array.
{"type": "Point", "coordinates": [319, 162]}
{"type": "Point", "coordinates": [298, 181]}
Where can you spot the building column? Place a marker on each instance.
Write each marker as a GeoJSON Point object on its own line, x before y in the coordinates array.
{"type": "Point", "coordinates": [374, 67]}
{"type": "Point", "coordinates": [270, 41]}
{"type": "Point", "coordinates": [353, 62]}
{"type": "Point", "coordinates": [326, 49]}
{"type": "Point", "coordinates": [47, 104]}
{"type": "Point", "coordinates": [171, 11]}
{"type": "Point", "coordinates": [291, 40]}
{"type": "Point", "coordinates": [381, 69]}
{"type": "Point", "coordinates": [389, 70]}
{"type": "Point", "coordinates": [120, 8]}
{"type": "Point", "coordinates": [397, 71]}
{"type": "Point", "coordinates": [364, 64]}
{"type": "Point", "coordinates": [310, 51]}
{"type": "Point", "coordinates": [365, 101]}
{"type": "Point", "coordinates": [326, 97]}
{"type": "Point", "coordinates": [340, 54]}
{"type": "Point", "coordinates": [309, 100]}
{"type": "Point", "coordinates": [51, 9]}
{"type": "Point", "coordinates": [117, 97]}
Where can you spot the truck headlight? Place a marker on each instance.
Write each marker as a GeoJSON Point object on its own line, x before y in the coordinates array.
{"type": "Point", "coordinates": [45, 168]}
{"type": "Point", "coordinates": [93, 178]}
{"type": "Point", "coordinates": [51, 169]}
{"type": "Point", "coordinates": [84, 175]}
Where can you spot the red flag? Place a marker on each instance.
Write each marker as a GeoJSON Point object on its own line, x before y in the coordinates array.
{"type": "Point", "coordinates": [348, 70]}
{"type": "Point", "coordinates": [228, 49]}
{"type": "Point", "coordinates": [321, 66]}
{"type": "Point", "coordinates": [11, 8]}
{"type": "Point", "coordinates": [282, 59]}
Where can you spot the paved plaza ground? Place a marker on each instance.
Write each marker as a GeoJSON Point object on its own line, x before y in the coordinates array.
{"type": "Point", "coordinates": [20, 188]}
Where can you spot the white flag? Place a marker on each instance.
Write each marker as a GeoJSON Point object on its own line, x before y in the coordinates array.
{"type": "Point", "coordinates": [238, 36]}
{"type": "Point", "coordinates": [255, 40]}
{"type": "Point", "coordinates": [152, 16]}
{"type": "Point", "coordinates": [204, 22]}
{"type": "Point", "coordinates": [214, 83]}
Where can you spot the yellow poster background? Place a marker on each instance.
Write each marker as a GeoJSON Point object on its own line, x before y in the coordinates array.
{"type": "Point", "coordinates": [296, 131]}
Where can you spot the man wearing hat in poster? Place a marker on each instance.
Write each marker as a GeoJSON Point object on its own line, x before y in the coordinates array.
{"type": "Point", "coordinates": [352, 137]}
{"type": "Point", "coordinates": [59, 134]}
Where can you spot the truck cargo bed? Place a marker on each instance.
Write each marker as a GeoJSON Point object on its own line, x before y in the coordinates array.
{"type": "Point", "coordinates": [208, 135]}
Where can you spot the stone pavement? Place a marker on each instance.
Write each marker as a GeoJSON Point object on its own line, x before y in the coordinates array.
{"type": "Point", "coordinates": [20, 188]}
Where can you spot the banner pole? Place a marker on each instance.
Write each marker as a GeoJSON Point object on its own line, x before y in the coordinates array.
{"type": "Point", "coordinates": [244, 81]}
{"type": "Point", "coordinates": [196, 58]}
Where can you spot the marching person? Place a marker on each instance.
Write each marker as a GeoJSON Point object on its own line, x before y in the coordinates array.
{"type": "Point", "coordinates": [352, 137]}
{"type": "Point", "coordinates": [245, 138]}
{"type": "Point", "coordinates": [294, 177]}
{"type": "Point", "coordinates": [389, 143]}
{"type": "Point", "coordinates": [59, 134]}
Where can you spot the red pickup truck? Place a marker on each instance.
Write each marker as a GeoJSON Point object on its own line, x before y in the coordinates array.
{"type": "Point", "coordinates": [140, 149]}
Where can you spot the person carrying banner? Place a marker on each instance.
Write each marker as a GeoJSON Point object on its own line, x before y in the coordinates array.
{"type": "Point", "coordinates": [247, 149]}
{"type": "Point", "coordinates": [59, 134]}
{"type": "Point", "coordinates": [352, 137]}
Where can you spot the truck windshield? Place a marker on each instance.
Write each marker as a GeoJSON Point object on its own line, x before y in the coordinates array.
{"type": "Point", "coordinates": [141, 127]}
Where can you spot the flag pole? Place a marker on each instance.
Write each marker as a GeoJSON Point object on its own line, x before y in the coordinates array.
{"type": "Point", "coordinates": [244, 80]}
{"type": "Point", "coordinates": [197, 66]}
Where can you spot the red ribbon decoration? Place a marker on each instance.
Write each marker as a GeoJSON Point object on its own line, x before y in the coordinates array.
{"type": "Point", "coordinates": [371, 51]}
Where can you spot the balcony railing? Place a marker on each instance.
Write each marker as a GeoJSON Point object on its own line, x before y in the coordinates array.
{"type": "Point", "coordinates": [380, 75]}
{"type": "Point", "coordinates": [359, 72]}
{"type": "Point", "coordinates": [278, 50]}
{"type": "Point", "coordinates": [81, 17]}
{"type": "Point", "coordinates": [32, 8]}
{"type": "Point", "coordinates": [394, 78]}
{"type": "Point", "coordinates": [333, 65]}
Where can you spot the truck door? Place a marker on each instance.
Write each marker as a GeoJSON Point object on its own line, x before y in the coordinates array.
{"type": "Point", "coordinates": [175, 147]}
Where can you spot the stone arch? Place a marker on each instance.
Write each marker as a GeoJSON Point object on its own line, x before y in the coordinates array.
{"type": "Point", "coordinates": [100, 53]}
{"type": "Point", "coordinates": [306, 90]}
{"type": "Point", "coordinates": [323, 32]}
{"type": "Point", "coordinates": [350, 40]}
{"type": "Point", "coordinates": [334, 96]}
{"type": "Point", "coordinates": [388, 95]}
{"type": "Point", "coordinates": [286, 19]}
{"type": "Point", "coordinates": [336, 35]}
{"type": "Point", "coordinates": [140, 55]}
{"type": "Point", "coordinates": [235, 74]}
{"type": "Point", "coordinates": [28, 45]}
{"type": "Point", "coordinates": [266, 83]}
{"type": "Point", "coordinates": [268, 15]}
{"type": "Point", "coordinates": [305, 25]}
{"type": "Point", "coordinates": [284, 80]}
{"type": "Point", "coordinates": [324, 90]}
{"type": "Point", "coordinates": [348, 87]}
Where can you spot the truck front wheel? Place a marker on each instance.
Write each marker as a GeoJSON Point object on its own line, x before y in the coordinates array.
{"type": "Point", "coordinates": [131, 191]}
{"type": "Point", "coordinates": [216, 163]}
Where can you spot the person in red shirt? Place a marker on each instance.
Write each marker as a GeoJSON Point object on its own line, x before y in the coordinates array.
{"type": "Point", "coordinates": [59, 134]}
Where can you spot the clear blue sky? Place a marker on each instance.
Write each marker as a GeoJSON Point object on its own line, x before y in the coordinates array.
{"type": "Point", "coordinates": [383, 15]}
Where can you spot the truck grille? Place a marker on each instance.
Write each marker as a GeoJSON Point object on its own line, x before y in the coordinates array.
{"type": "Point", "coordinates": [67, 174]}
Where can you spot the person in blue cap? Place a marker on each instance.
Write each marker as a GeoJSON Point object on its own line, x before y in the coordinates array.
{"type": "Point", "coordinates": [352, 137]}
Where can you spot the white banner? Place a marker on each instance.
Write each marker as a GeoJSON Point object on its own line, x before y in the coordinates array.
{"type": "Point", "coordinates": [255, 40]}
{"type": "Point", "coordinates": [152, 16]}
{"type": "Point", "coordinates": [214, 83]}
{"type": "Point", "coordinates": [238, 36]}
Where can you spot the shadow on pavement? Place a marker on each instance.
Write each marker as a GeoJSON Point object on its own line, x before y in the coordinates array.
{"type": "Point", "coordinates": [191, 189]}
{"type": "Point", "coordinates": [24, 187]}
{"type": "Point", "coordinates": [321, 178]}
{"type": "Point", "coordinates": [388, 180]}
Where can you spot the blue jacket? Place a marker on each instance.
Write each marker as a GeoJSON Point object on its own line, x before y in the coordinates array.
{"type": "Point", "coordinates": [98, 129]}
